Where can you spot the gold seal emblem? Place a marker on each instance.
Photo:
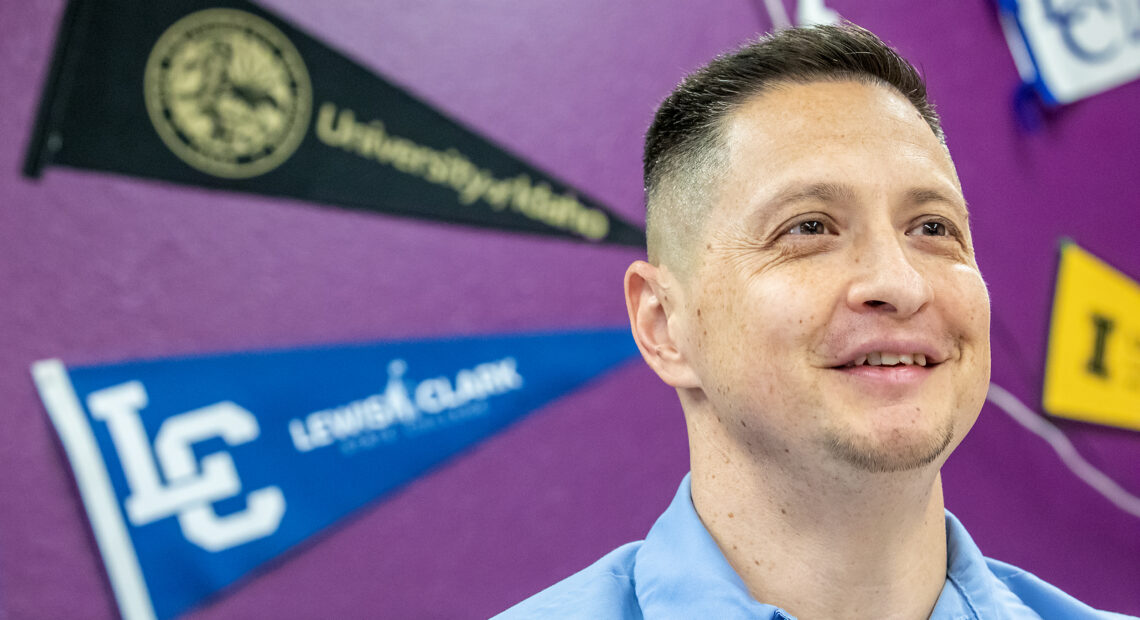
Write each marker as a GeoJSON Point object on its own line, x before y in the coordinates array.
{"type": "Point", "coordinates": [228, 93]}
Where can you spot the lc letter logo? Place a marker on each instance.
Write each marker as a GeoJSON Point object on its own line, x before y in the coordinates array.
{"type": "Point", "coordinates": [189, 490]}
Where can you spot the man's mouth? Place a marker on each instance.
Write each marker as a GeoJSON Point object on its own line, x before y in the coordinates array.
{"type": "Point", "coordinates": [877, 355]}
{"type": "Point", "coordinates": [885, 358]}
{"type": "Point", "coordinates": [893, 368]}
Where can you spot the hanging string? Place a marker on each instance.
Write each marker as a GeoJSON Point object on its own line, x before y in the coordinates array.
{"type": "Point", "coordinates": [1064, 448]}
{"type": "Point", "coordinates": [808, 12]}
{"type": "Point", "coordinates": [777, 14]}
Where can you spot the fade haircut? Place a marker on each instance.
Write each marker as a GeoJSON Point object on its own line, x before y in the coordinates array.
{"type": "Point", "coordinates": [685, 146]}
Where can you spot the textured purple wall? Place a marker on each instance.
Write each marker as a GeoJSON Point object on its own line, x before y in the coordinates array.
{"type": "Point", "coordinates": [98, 268]}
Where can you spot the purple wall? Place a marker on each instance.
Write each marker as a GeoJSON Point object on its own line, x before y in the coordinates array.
{"type": "Point", "coordinates": [96, 268]}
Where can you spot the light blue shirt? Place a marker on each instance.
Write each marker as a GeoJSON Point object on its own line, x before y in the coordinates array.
{"type": "Point", "coordinates": [679, 572]}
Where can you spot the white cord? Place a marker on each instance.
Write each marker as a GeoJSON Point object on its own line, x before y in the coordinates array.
{"type": "Point", "coordinates": [778, 14]}
{"type": "Point", "coordinates": [808, 13]}
{"type": "Point", "coordinates": [1069, 456]}
{"type": "Point", "coordinates": [811, 12]}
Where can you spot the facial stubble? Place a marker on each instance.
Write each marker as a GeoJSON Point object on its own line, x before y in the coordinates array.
{"type": "Point", "coordinates": [897, 453]}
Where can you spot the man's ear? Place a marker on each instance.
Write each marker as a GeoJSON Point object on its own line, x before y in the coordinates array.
{"type": "Point", "coordinates": [651, 296]}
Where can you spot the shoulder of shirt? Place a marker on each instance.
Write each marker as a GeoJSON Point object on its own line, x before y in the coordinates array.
{"type": "Point", "coordinates": [1045, 598]}
{"type": "Point", "coordinates": [605, 589]}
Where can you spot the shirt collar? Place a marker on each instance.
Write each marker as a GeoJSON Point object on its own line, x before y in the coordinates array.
{"type": "Point", "coordinates": [680, 558]}
{"type": "Point", "coordinates": [972, 590]}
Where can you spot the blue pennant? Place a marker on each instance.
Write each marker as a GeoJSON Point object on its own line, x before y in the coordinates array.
{"type": "Point", "coordinates": [196, 471]}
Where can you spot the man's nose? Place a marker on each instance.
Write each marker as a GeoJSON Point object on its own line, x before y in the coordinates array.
{"type": "Point", "coordinates": [887, 280]}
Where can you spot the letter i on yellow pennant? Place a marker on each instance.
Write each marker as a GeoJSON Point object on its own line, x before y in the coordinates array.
{"type": "Point", "coordinates": [1092, 372]}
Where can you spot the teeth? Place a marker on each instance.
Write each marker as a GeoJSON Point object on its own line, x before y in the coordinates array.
{"type": "Point", "coordinates": [880, 358]}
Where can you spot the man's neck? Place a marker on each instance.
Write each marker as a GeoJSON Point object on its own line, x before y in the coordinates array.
{"type": "Point", "coordinates": [860, 546]}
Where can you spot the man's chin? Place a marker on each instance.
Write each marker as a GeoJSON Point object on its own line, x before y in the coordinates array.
{"type": "Point", "coordinates": [900, 452]}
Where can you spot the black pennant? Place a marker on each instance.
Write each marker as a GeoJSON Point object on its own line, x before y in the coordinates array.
{"type": "Point", "coordinates": [227, 95]}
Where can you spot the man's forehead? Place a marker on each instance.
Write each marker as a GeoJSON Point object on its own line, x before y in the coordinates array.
{"type": "Point", "coordinates": [806, 109]}
{"type": "Point", "coordinates": [793, 143]}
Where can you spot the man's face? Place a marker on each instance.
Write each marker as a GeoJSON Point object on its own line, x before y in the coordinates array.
{"type": "Point", "coordinates": [836, 257]}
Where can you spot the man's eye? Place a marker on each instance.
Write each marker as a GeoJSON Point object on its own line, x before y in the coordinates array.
{"type": "Point", "coordinates": [810, 227]}
{"type": "Point", "coordinates": [932, 229]}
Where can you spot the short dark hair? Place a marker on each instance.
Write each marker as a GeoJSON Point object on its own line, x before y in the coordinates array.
{"type": "Point", "coordinates": [683, 143]}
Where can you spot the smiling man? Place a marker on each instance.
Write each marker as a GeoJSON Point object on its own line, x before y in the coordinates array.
{"type": "Point", "coordinates": [813, 296]}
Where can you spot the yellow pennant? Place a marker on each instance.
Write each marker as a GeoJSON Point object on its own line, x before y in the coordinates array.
{"type": "Point", "coordinates": [1092, 372]}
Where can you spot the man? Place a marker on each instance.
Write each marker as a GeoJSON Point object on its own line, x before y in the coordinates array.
{"type": "Point", "coordinates": [812, 294]}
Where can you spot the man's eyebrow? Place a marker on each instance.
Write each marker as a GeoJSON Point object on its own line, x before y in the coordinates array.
{"type": "Point", "coordinates": [822, 192]}
{"type": "Point", "coordinates": [924, 195]}
{"type": "Point", "coordinates": [831, 192]}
